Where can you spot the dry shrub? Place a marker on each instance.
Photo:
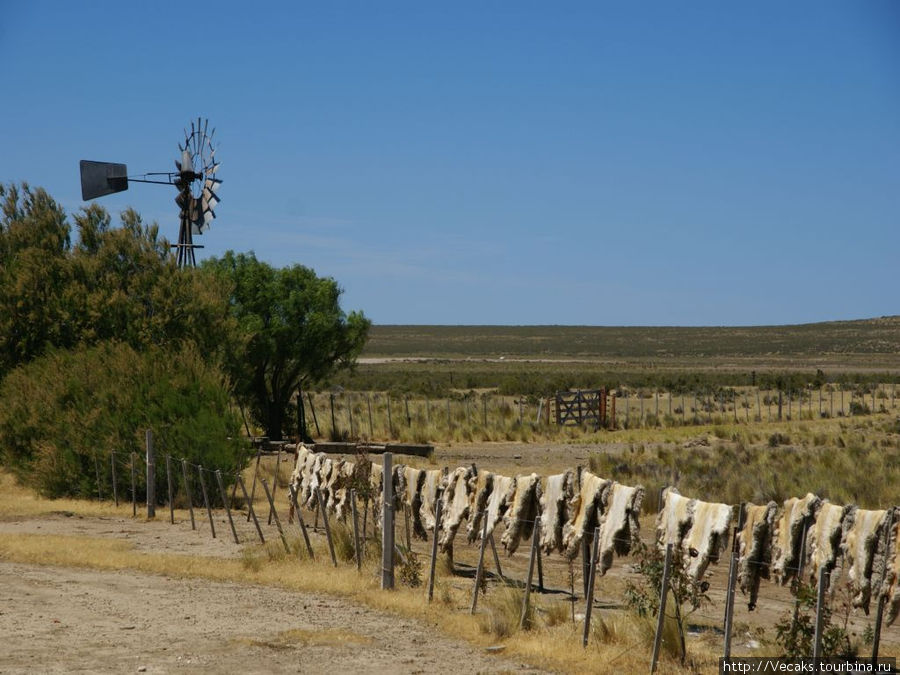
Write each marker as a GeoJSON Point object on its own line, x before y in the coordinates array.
{"type": "Point", "coordinates": [504, 612]}
{"type": "Point", "coordinates": [556, 613]}
{"type": "Point", "coordinates": [342, 538]}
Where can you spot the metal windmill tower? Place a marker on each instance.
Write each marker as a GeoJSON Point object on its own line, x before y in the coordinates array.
{"type": "Point", "coordinates": [195, 180]}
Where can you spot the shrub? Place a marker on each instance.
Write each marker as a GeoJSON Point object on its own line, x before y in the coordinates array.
{"type": "Point", "coordinates": [66, 410]}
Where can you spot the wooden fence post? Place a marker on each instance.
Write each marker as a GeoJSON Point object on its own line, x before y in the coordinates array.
{"type": "Point", "coordinates": [387, 524]}
{"type": "Point", "coordinates": [225, 502]}
{"type": "Point", "coordinates": [277, 521]}
{"type": "Point", "coordinates": [496, 557]}
{"type": "Point", "coordinates": [312, 409]}
{"type": "Point", "coordinates": [151, 475]}
{"type": "Point", "coordinates": [479, 571]}
{"type": "Point", "coordinates": [408, 416]}
{"type": "Point", "coordinates": [879, 612]}
{"type": "Point", "coordinates": [390, 419]}
{"type": "Point", "coordinates": [660, 619]}
{"type": "Point", "coordinates": [371, 428]}
{"type": "Point", "coordinates": [820, 611]}
{"type": "Point", "coordinates": [589, 599]}
{"type": "Point", "coordinates": [321, 506]}
{"type": "Point", "coordinates": [334, 430]}
{"type": "Point", "coordinates": [169, 488]}
{"type": "Point", "coordinates": [535, 542]}
{"type": "Point", "coordinates": [112, 464]}
{"type": "Point", "coordinates": [275, 482]}
{"type": "Point", "coordinates": [255, 476]}
{"type": "Point", "coordinates": [732, 580]}
{"type": "Point", "coordinates": [357, 548]}
{"type": "Point", "coordinates": [187, 489]}
{"type": "Point", "coordinates": [300, 523]}
{"type": "Point", "coordinates": [212, 525]}
{"type": "Point", "coordinates": [133, 488]}
{"type": "Point", "coordinates": [249, 501]}
{"type": "Point", "coordinates": [97, 471]}
{"type": "Point", "coordinates": [434, 548]}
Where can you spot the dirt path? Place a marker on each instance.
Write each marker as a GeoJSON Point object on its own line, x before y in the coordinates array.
{"type": "Point", "coordinates": [64, 619]}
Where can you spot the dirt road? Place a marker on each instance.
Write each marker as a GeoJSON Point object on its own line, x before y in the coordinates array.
{"type": "Point", "coordinates": [57, 620]}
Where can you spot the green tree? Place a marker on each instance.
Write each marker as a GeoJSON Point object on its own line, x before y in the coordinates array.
{"type": "Point", "coordinates": [292, 332]}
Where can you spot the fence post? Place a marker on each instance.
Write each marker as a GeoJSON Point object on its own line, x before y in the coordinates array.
{"type": "Point", "coordinates": [169, 487]}
{"type": "Point", "coordinates": [321, 506]}
{"type": "Point", "coordinates": [479, 571]}
{"type": "Point", "coordinates": [97, 471]}
{"type": "Point", "coordinates": [212, 525]}
{"type": "Point", "coordinates": [334, 429]}
{"type": "Point", "coordinates": [275, 482]}
{"type": "Point", "coordinates": [277, 521]}
{"type": "Point", "coordinates": [312, 409]}
{"type": "Point", "coordinates": [187, 489]}
{"type": "Point", "coordinates": [879, 612]}
{"type": "Point", "coordinates": [133, 493]}
{"type": "Point", "coordinates": [300, 523]}
{"type": "Point", "coordinates": [151, 476]}
{"type": "Point", "coordinates": [112, 463]}
{"type": "Point", "coordinates": [255, 476]}
{"type": "Point", "coordinates": [249, 501]}
{"type": "Point", "coordinates": [589, 600]}
{"type": "Point", "coordinates": [387, 523]}
{"type": "Point", "coordinates": [535, 542]}
{"type": "Point", "coordinates": [369, 404]}
{"type": "Point", "coordinates": [496, 557]}
{"type": "Point", "coordinates": [225, 502]}
{"type": "Point", "coordinates": [660, 619]}
{"type": "Point", "coordinates": [820, 612]}
{"type": "Point", "coordinates": [408, 416]}
{"type": "Point", "coordinates": [732, 579]}
{"type": "Point", "coordinates": [356, 546]}
{"type": "Point", "coordinates": [434, 547]}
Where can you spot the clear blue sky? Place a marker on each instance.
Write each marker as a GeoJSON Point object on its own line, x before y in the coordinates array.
{"type": "Point", "coordinates": [652, 163]}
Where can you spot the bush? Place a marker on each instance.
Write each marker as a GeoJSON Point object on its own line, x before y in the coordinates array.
{"type": "Point", "coordinates": [64, 412]}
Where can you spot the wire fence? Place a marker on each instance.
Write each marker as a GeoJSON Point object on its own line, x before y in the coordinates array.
{"type": "Point", "coordinates": [224, 498]}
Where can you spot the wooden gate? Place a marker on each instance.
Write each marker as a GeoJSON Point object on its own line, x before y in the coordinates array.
{"type": "Point", "coordinates": [582, 407]}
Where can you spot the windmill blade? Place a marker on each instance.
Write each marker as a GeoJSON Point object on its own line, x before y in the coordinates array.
{"type": "Point", "coordinates": [215, 167]}
{"type": "Point", "coordinates": [212, 185]}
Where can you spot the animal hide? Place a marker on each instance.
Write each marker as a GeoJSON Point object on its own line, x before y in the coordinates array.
{"type": "Point", "coordinates": [429, 491]}
{"type": "Point", "coordinates": [321, 471]}
{"type": "Point", "coordinates": [583, 515]}
{"type": "Point", "coordinates": [891, 558]}
{"type": "Point", "coordinates": [707, 536]}
{"type": "Point", "coordinates": [340, 489]}
{"type": "Point", "coordinates": [619, 526]}
{"type": "Point", "coordinates": [520, 517]}
{"type": "Point", "coordinates": [412, 498]}
{"type": "Point", "coordinates": [556, 493]}
{"type": "Point", "coordinates": [455, 504]}
{"type": "Point", "coordinates": [755, 548]}
{"type": "Point", "coordinates": [859, 547]}
{"type": "Point", "coordinates": [788, 538]}
{"type": "Point", "coordinates": [499, 500]}
{"type": "Point", "coordinates": [823, 541]}
{"type": "Point", "coordinates": [674, 519]}
{"type": "Point", "coordinates": [484, 485]}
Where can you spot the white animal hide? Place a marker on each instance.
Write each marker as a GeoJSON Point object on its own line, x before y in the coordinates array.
{"type": "Point", "coordinates": [455, 504]}
{"type": "Point", "coordinates": [674, 519]}
{"type": "Point", "coordinates": [755, 548]}
{"type": "Point", "coordinates": [788, 537]}
{"type": "Point", "coordinates": [520, 517]}
{"type": "Point", "coordinates": [478, 507]}
{"type": "Point", "coordinates": [583, 516]}
{"type": "Point", "coordinates": [619, 526]}
{"type": "Point", "coordinates": [860, 546]}
{"type": "Point", "coordinates": [707, 536]}
{"type": "Point", "coordinates": [556, 492]}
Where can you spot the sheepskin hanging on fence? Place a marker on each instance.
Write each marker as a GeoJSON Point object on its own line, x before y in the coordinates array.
{"type": "Point", "coordinates": [484, 485]}
{"type": "Point", "coordinates": [455, 504]}
{"type": "Point", "coordinates": [891, 588]}
{"type": "Point", "coordinates": [790, 528]}
{"type": "Point", "coordinates": [755, 548]}
{"type": "Point", "coordinates": [520, 516]}
{"type": "Point", "coordinates": [674, 519]}
{"type": "Point", "coordinates": [556, 493]}
{"type": "Point", "coordinates": [707, 536]}
{"type": "Point", "coordinates": [430, 486]}
{"type": "Point", "coordinates": [619, 526]}
{"type": "Point", "coordinates": [500, 499]}
{"type": "Point", "coordinates": [864, 540]}
{"type": "Point", "coordinates": [823, 540]}
{"type": "Point", "coordinates": [583, 511]}
{"type": "Point", "coordinates": [413, 480]}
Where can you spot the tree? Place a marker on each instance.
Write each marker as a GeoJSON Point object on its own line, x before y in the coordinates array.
{"type": "Point", "coordinates": [291, 333]}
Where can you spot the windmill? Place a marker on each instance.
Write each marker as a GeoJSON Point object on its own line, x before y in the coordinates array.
{"type": "Point", "coordinates": [195, 180]}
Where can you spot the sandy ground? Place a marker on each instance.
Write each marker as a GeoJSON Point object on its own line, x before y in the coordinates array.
{"type": "Point", "coordinates": [74, 620]}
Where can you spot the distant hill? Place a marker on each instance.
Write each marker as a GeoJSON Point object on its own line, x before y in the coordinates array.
{"type": "Point", "coordinates": [867, 336]}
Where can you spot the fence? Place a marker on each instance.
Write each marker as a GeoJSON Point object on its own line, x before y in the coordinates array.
{"type": "Point", "coordinates": [556, 575]}
{"type": "Point", "coordinates": [368, 415]}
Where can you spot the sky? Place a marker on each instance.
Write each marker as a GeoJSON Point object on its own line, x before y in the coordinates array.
{"type": "Point", "coordinates": [601, 163]}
